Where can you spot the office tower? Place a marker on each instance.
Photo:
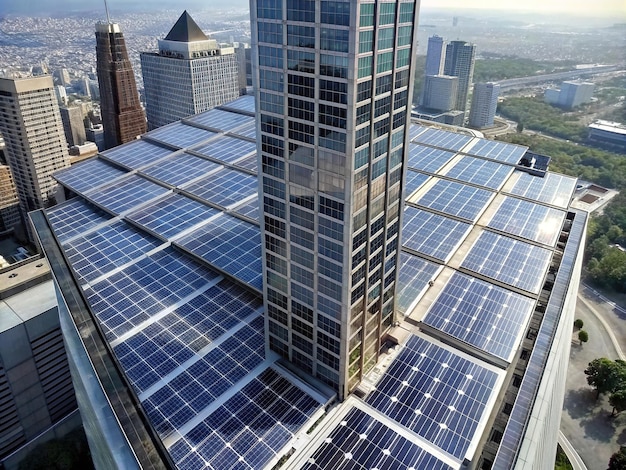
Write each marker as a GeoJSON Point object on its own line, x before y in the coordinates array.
{"type": "Point", "coordinates": [62, 77]}
{"type": "Point", "coordinates": [575, 93]}
{"type": "Point", "coordinates": [95, 134]}
{"type": "Point", "coordinates": [435, 55]}
{"type": "Point", "coordinates": [190, 74]}
{"type": "Point", "coordinates": [440, 92]}
{"type": "Point", "coordinates": [31, 125]}
{"type": "Point", "coordinates": [459, 62]}
{"type": "Point", "coordinates": [333, 107]}
{"type": "Point", "coordinates": [61, 94]}
{"type": "Point", "coordinates": [484, 104]}
{"type": "Point", "coordinates": [9, 202]}
{"type": "Point", "coordinates": [73, 125]}
{"type": "Point", "coordinates": [122, 116]}
{"type": "Point", "coordinates": [244, 60]}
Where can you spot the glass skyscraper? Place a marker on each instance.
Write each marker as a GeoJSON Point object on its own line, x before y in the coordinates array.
{"type": "Point", "coordinates": [334, 81]}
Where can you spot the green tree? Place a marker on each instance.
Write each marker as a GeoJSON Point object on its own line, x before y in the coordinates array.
{"type": "Point", "coordinates": [605, 375]}
{"type": "Point", "coordinates": [617, 400]}
{"type": "Point", "coordinates": [618, 460]}
{"type": "Point", "coordinates": [578, 324]}
{"type": "Point", "coordinates": [583, 337]}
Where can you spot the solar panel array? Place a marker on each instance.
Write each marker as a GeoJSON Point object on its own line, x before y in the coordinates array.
{"type": "Point", "coordinates": [180, 169]}
{"type": "Point", "coordinates": [428, 159]}
{"type": "Point", "coordinates": [485, 173]}
{"type": "Point", "coordinates": [180, 135]}
{"type": "Point", "coordinates": [443, 139]}
{"type": "Point", "coordinates": [495, 150]}
{"type": "Point", "coordinates": [249, 209]}
{"type": "Point", "coordinates": [456, 199]}
{"type": "Point", "coordinates": [227, 149]}
{"type": "Point", "coordinates": [224, 188]}
{"type": "Point", "coordinates": [88, 175]}
{"type": "Point", "coordinates": [553, 189]}
{"type": "Point", "coordinates": [136, 154]}
{"type": "Point", "coordinates": [244, 104]}
{"type": "Point", "coordinates": [414, 274]}
{"type": "Point", "coordinates": [127, 193]}
{"type": "Point", "coordinates": [221, 120]}
{"type": "Point", "coordinates": [75, 217]}
{"type": "Point", "coordinates": [413, 181]}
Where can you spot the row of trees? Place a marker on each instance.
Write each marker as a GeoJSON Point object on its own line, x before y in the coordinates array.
{"type": "Point", "coordinates": [609, 377]}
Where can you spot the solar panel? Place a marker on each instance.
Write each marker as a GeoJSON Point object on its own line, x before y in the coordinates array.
{"type": "Point", "coordinates": [225, 187]}
{"type": "Point", "coordinates": [413, 181]}
{"type": "Point", "coordinates": [437, 394]}
{"type": "Point", "coordinates": [180, 135]}
{"type": "Point", "coordinates": [247, 130]}
{"type": "Point", "coordinates": [486, 316]}
{"type": "Point", "coordinates": [221, 120]}
{"type": "Point", "coordinates": [85, 176]}
{"type": "Point", "coordinates": [415, 130]}
{"type": "Point", "coordinates": [360, 441]}
{"type": "Point", "coordinates": [529, 220]}
{"type": "Point", "coordinates": [180, 169]}
{"type": "Point", "coordinates": [413, 278]}
{"type": "Point", "coordinates": [227, 149]}
{"type": "Point", "coordinates": [428, 159]}
{"type": "Point", "coordinates": [456, 199]}
{"type": "Point", "coordinates": [482, 172]}
{"type": "Point", "coordinates": [248, 163]}
{"type": "Point", "coordinates": [126, 194]}
{"type": "Point", "coordinates": [172, 215]}
{"type": "Point", "coordinates": [103, 250]}
{"type": "Point", "coordinates": [136, 154]}
{"type": "Point", "coordinates": [249, 209]}
{"type": "Point", "coordinates": [553, 189]}
{"type": "Point", "coordinates": [513, 262]}
{"type": "Point", "coordinates": [443, 139]}
{"type": "Point", "coordinates": [432, 234]}
{"type": "Point", "coordinates": [244, 103]}
{"type": "Point", "coordinates": [229, 244]}
{"type": "Point", "coordinates": [500, 151]}
{"type": "Point", "coordinates": [73, 218]}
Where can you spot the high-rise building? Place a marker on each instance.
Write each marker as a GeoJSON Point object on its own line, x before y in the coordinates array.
{"type": "Point", "coordinates": [333, 106]}
{"type": "Point", "coordinates": [122, 116]}
{"type": "Point", "coordinates": [244, 59]}
{"type": "Point", "coordinates": [459, 62]}
{"type": "Point", "coordinates": [440, 92]}
{"type": "Point", "coordinates": [484, 105]}
{"type": "Point", "coordinates": [9, 202]}
{"type": "Point", "coordinates": [435, 55]}
{"type": "Point", "coordinates": [31, 125]}
{"type": "Point", "coordinates": [73, 125]}
{"type": "Point", "coordinates": [190, 74]}
{"type": "Point", "coordinates": [574, 93]}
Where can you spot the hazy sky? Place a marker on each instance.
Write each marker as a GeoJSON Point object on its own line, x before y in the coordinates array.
{"type": "Point", "coordinates": [593, 8]}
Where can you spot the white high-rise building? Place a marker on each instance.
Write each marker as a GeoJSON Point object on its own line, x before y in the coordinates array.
{"type": "Point", "coordinates": [188, 75]}
{"type": "Point", "coordinates": [440, 92]}
{"type": "Point", "coordinates": [484, 104]}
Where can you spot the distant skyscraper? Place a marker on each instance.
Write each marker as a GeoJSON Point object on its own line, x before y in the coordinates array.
{"type": "Point", "coordinates": [244, 58]}
{"type": "Point", "coordinates": [574, 93]}
{"type": "Point", "coordinates": [95, 134]}
{"type": "Point", "coordinates": [440, 92]}
{"type": "Point", "coordinates": [9, 202]}
{"type": "Point", "coordinates": [459, 62]}
{"type": "Point", "coordinates": [435, 55]}
{"type": "Point", "coordinates": [73, 125]}
{"type": "Point", "coordinates": [122, 116]}
{"type": "Point", "coordinates": [30, 123]}
{"type": "Point", "coordinates": [484, 104]}
{"type": "Point", "coordinates": [334, 85]}
{"type": "Point", "coordinates": [188, 75]}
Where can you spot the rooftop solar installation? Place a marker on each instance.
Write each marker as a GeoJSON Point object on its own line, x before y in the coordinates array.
{"type": "Point", "coordinates": [136, 154]}
{"type": "Point", "coordinates": [103, 250]}
{"type": "Point", "coordinates": [180, 169]}
{"type": "Point", "coordinates": [180, 135]}
{"type": "Point", "coordinates": [231, 245]}
{"type": "Point", "coordinates": [225, 187]}
{"type": "Point", "coordinates": [361, 442]}
{"type": "Point", "coordinates": [500, 151]}
{"type": "Point", "coordinates": [443, 139]}
{"type": "Point", "coordinates": [413, 181]}
{"type": "Point", "coordinates": [247, 130]}
{"type": "Point", "coordinates": [227, 149]}
{"type": "Point", "coordinates": [488, 317]}
{"type": "Point", "coordinates": [74, 217]}
{"type": "Point", "coordinates": [221, 120]}
{"type": "Point", "coordinates": [436, 393]}
{"type": "Point", "coordinates": [432, 234]}
{"type": "Point", "coordinates": [172, 215]}
{"type": "Point", "coordinates": [415, 130]}
{"type": "Point", "coordinates": [88, 175]}
{"type": "Point", "coordinates": [528, 220]}
{"type": "Point", "coordinates": [553, 189]}
{"type": "Point", "coordinates": [244, 103]}
{"type": "Point", "coordinates": [512, 262]}
{"type": "Point", "coordinates": [456, 199]}
{"type": "Point", "coordinates": [481, 172]}
{"type": "Point", "coordinates": [248, 163]}
{"type": "Point", "coordinates": [428, 159]}
{"type": "Point", "coordinates": [249, 209]}
{"type": "Point", "coordinates": [413, 277]}
{"type": "Point", "coordinates": [126, 194]}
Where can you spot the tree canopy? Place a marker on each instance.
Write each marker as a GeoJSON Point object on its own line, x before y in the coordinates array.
{"type": "Point", "coordinates": [606, 376]}
{"type": "Point", "coordinates": [618, 460]}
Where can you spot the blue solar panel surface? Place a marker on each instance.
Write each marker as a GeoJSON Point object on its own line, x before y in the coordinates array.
{"type": "Point", "coordinates": [88, 175]}
{"type": "Point", "coordinates": [249, 209]}
{"type": "Point", "coordinates": [413, 277]}
{"type": "Point", "coordinates": [500, 151]}
{"type": "Point", "coordinates": [413, 181]}
{"type": "Point", "coordinates": [435, 393]}
{"type": "Point", "coordinates": [74, 218]}
{"type": "Point", "coordinates": [456, 199]}
{"type": "Point", "coordinates": [482, 172]}
{"type": "Point", "coordinates": [180, 135]}
{"type": "Point", "coordinates": [180, 169]}
{"type": "Point", "coordinates": [225, 187]}
{"type": "Point", "coordinates": [126, 194]}
{"type": "Point", "coordinates": [443, 139]}
{"type": "Point", "coordinates": [136, 154]}
{"type": "Point", "coordinates": [247, 130]}
{"type": "Point", "coordinates": [553, 189]}
{"type": "Point", "coordinates": [513, 262]}
{"type": "Point", "coordinates": [428, 159]}
{"type": "Point", "coordinates": [244, 103]}
{"type": "Point", "coordinates": [481, 314]}
{"type": "Point", "coordinates": [221, 120]}
{"type": "Point", "coordinates": [248, 163]}
{"type": "Point", "coordinates": [227, 149]}
{"type": "Point", "coordinates": [415, 130]}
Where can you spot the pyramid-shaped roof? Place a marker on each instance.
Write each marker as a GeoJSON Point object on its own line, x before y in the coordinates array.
{"type": "Point", "coordinates": [186, 30]}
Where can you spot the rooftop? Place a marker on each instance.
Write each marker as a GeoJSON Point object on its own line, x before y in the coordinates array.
{"type": "Point", "coordinates": [186, 30]}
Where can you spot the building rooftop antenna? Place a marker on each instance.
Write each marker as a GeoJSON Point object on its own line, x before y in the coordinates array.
{"type": "Point", "coordinates": [106, 8]}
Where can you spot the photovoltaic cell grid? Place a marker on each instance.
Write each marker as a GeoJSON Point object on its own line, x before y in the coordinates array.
{"type": "Point", "coordinates": [443, 139]}
{"type": "Point", "coordinates": [513, 262]}
{"type": "Point", "coordinates": [413, 181]}
{"type": "Point", "coordinates": [360, 442]}
{"type": "Point", "coordinates": [413, 277]}
{"type": "Point", "coordinates": [529, 220]}
{"type": "Point", "coordinates": [460, 200]}
{"type": "Point", "coordinates": [221, 120]}
{"type": "Point", "coordinates": [481, 314]}
{"type": "Point", "coordinates": [415, 130]}
{"type": "Point", "coordinates": [87, 175]}
{"type": "Point", "coordinates": [74, 218]}
{"type": "Point", "coordinates": [192, 391]}
{"type": "Point", "coordinates": [247, 130]}
{"type": "Point", "coordinates": [126, 194]}
{"type": "Point", "coordinates": [500, 151]}
{"type": "Point", "coordinates": [552, 189]}
{"type": "Point", "coordinates": [249, 209]}
{"type": "Point", "coordinates": [180, 169]}
{"type": "Point", "coordinates": [136, 154]}
{"type": "Point", "coordinates": [180, 135]}
{"type": "Point", "coordinates": [109, 247]}
{"type": "Point", "coordinates": [130, 297]}
{"type": "Point", "coordinates": [250, 429]}
{"type": "Point", "coordinates": [229, 244]}
{"type": "Point", "coordinates": [482, 172]}
{"type": "Point", "coordinates": [225, 187]}
{"type": "Point", "coordinates": [432, 234]}
{"type": "Point", "coordinates": [244, 103]}
{"type": "Point", "coordinates": [227, 149]}
{"type": "Point", "coordinates": [428, 159]}
{"type": "Point", "coordinates": [248, 163]}
{"type": "Point", "coordinates": [172, 215]}
{"type": "Point", "coordinates": [435, 393]}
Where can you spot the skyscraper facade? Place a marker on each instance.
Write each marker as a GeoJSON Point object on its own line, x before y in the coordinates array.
{"type": "Point", "coordinates": [459, 62]}
{"type": "Point", "coordinates": [435, 55]}
{"type": "Point", "coordinates": [122, 116]}
{"type": "Point", "coordinates": [73, 125]}
{"type": "Point", "coordinates": [188, 75]}
{"type": "Point", "coordinates": [484, 104]}
{"type": "Point", "coordinates": [334, 81]}
{"type": "Point", "coordinates": [440, 92]}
